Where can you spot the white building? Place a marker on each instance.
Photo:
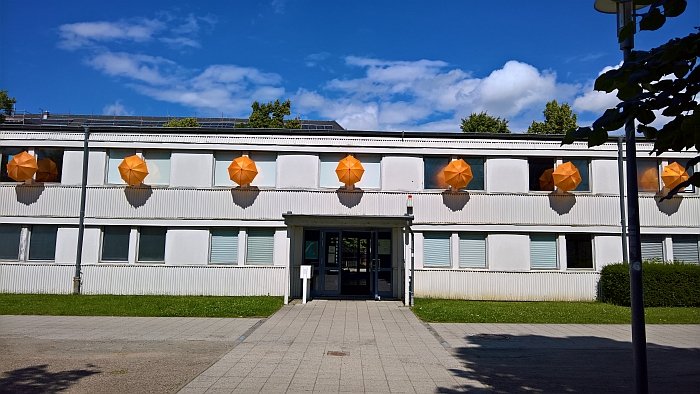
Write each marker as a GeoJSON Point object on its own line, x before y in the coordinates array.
{"type": "Point", "coordinates": [190, 230]}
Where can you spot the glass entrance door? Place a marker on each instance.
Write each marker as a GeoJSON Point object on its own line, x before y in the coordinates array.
{"type": "Point", "coordinates": [350, 263]}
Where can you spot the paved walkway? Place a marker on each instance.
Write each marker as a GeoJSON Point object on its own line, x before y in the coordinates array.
{"type": "Point", "coordinates": [332, 346]}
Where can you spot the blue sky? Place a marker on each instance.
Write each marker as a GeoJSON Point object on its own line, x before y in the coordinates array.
{"type": "Point", "coordinates": [372, 65]}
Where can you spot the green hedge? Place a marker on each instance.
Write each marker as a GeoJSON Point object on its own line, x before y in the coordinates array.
{"type": "Point", "coordinates": [665, 284]}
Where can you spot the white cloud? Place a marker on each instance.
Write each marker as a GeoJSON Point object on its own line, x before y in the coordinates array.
{"type": "Point", "coordinates": [412, 95]}
{"type": "Point", "coordinates": [594, 101]}
{"type": "Point", "coordinates": [141, 68]}
{"type": "Point", "coordinates": [76, 35]}
{"type": "Point", "coordinates": [116, 109]}
{"type": "Point", "coordinates": [278, 6]}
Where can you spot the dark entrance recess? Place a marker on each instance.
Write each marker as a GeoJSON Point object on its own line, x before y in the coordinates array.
{"type": "Point", "coordinates": [349, 263]}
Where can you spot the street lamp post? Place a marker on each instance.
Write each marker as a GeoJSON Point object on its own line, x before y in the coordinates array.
{"type": "Point", "coordinates": [624, 9]}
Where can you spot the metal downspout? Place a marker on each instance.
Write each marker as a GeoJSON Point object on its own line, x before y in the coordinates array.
{"type": "Point", "coordinates": [81, 221]}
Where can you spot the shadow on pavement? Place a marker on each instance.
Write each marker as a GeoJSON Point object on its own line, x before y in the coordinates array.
{"type": "Point", "coordinates": [534, 363]}
{"type": "Point", "coordinates": [37, 379]}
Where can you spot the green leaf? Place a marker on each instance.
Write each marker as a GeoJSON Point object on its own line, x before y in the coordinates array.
{"type": "Point", "coordinates": [646, 116]}
{"type": "Point", "coordinates": [653, 20]}
{"type": "Point", "coordinates": [612, 119]}
{"type": "Point", "coordinates": [604, 83]}
{"type": "Point", "coordinates": [648, 131]}
{"type": "Point", "coordinates": [597, 137]}
{"type": "Point", "coordinates": [674, 8]}
{"type": "Point", "coordinates": [629, 91]}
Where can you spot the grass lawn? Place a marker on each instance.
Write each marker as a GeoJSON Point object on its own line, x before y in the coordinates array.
{"type": "Point", "coordinates": [458, 311]}
{"type": "Point", "coordinates": [145, 305]}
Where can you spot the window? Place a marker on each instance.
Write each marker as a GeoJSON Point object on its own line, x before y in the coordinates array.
{"type": "Point", "coordinates": [543, 251]}
{"type": "Point", "coordinates": [260, 247]}
{"type": "Point", "coordinates": [648, 175]}
{"type": "Point", "coordinates": [540, 169]}
{"type": "Point", "coordinates": [265, 162]}
{"type": "Point", "coordinates": [151, 244]}
{"type": "Point", "coordinates": [436, 250]}
{"type": "Point", "coordinates": [583, 168]}
{"type": "Point", "coordinates": [472, 250]}
{"type": "Point", "coordinates": [6, 155]}
{"type": "Point", "coordinates": [115, 158]}
{"type": "Point", "coordinates": [433, 166]}
{"type": "Point", "coordinates": [652, 247]}
{"type": "Point", "coordinates": [115, 243]}
{"type": "Point", "coordinates": [50, 162]}
{"type": "Point", "coordinates": [224, 246]}
{"type": "Point", "coordinates": [685, 248]}
{"type": "Point", "coordinates": [689, 170]}
{"type": "Point", "coordinates": [9, 241]}
{"type": "Point", "coordinates": [370, 178]}
{"type": "Point", "coordinates": [579, 251]}
{"type": "Point", "coordinates": [42, 242]}
{"type": "Point", "coordinates": [158, 163]}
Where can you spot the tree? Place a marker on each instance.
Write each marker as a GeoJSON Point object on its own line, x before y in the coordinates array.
{"type": "Point", "coordinates": [6, 105]}
{"type": "Point", "coordinates": [558, 119]}
{"type": "Point", "coordinates": [182, 122]}
{"type": "Point", "coordinates": [664, 80]}
{"type": "Point", "coordinates": [484, 123]}
{"type": "Point", "coordinates": [271, 116]}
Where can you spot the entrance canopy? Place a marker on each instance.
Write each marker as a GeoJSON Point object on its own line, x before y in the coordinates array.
{"type": "Point", "coordinates": [291, 219]}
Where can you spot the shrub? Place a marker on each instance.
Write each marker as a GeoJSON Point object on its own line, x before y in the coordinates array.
{"type": "Point", "coordinates": [665, 284]}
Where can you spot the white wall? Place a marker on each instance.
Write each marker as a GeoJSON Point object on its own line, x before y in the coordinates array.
{"type": "Point", "coordinates": [72, 172]}
{"type": "Point", "coordinates": [97, 167]}
{"type": "Point", "coordinates": [507, 175]}
{"type": "Point", "coordinates": [297, 171]}
{"type": "Point", "coordinates": [607, 249]}
{"type": "Point", "coordinates": [184, 246]}
{"type": "Point", "coordinates": [191, 169]}
{"type": "Point", "coordinates": [508, 252]}
{"type": "Point", "coordinates": [67, 242]}
{"type": "Point", "coordinates": [402, 173]}
{"type": "Point", "coordinates": [281, 249]}
{"type": "Point", "coordinates": [603, 176]}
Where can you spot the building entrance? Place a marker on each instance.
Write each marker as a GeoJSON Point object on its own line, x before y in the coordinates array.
{"type": "Point", "coordinates": [349, 263]}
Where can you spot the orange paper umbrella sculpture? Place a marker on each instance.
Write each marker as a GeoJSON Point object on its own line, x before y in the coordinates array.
{"type": "Point", "coordinates": [133, 170]}
{"type": "Point", "coordinates": [648, 181]}
{"type": "Point", "coordinates": [458, 174]}
{"type": "Point", "coordinates": [22, 167]}
{"type": "Point", "coordinates": [547, 180]}
{"type": "Point", "coordinates": [673, 174]}
{"type": "Point", "coordinates": [566, 177]}
{"type": "Point", "coordinates": [349, 171]}
{"type": "Point", "coordinates": [242, 170]}
{"type": "Point", "coordinates": [48, 170]}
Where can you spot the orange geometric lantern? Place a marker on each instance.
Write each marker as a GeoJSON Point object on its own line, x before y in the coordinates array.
{"type": "Point", "coordinates": [242, 170]}
{"type": "Point", "coordinates": [22, 167]}
{"type": "Point", "coordinates": [349, 171]}
{"type": "Point", "coordinates": [648, 181]}
{"type": "Point", "coordinates": [458, 174]}
{"type": "Point", "coordinates": [566, 177]}
{"type": "Point", "coordinates": [546, 179]}
{"type": "Point", "coordinates": [47, 172]}
{"type": "Point", "coordinates": [673, 174]}
{"type": "Point", "coordinates": [133, 170]}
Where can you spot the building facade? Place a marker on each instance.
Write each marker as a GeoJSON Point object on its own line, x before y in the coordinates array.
{"type": "Point", "coordinates": [190, 230]}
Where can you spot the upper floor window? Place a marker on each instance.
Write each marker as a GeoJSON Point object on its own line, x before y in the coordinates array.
{"type": "Point", "coordinates": [42, 242]}
{"type": "Point", "coordinates": [541, 169]}
{"type": "Point", "coordinates": [115, 243]}
{"type": "Point", "coordinates": [50, 163]}
{"type": "Point", "coordinates": [649, 174]}
{"type": "Point", "coordinates": [328, 178]}
{"type": "Point", "coordinates": [151, 244]}
{"type": "Point", "coordinates": [157, 161]}
{"type": "Point", "coordinates": [433, 177]}
{"type": "Point", "coordinates": [579, 251]}
{"type": "Point", "coordinates": [265, 162]}
{"type": "Point", "coordinates": [10, 235]}
{"type": "Point", "coordinates": [6, 155]}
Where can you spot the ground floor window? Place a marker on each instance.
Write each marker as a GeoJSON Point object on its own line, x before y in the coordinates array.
{"type": "Point", "coordinates": [10, 235]}
{"type": "Point", "coordinates": [436, 250]}
{"type": "Point", "coordinates": [543, 251]}
{"type": "Point", "coordinates": [579, 251]}
{"type": "Point", "coordinates": [685, 248]}
{"type": "Point", "coordinates": [260, 247]}
{"type": "Point", "coordinates": [223, 246]}
{"type": "Point", "coordinates": [472, 250]}
{"type": "Point", "coordinates": [652, 247]}
{"type": "Point", "coordinates": [115, 243]}
{"type": "Point", "coordinates": [151, 244]}
{"type": "Point", "coordinates": [42, 242]}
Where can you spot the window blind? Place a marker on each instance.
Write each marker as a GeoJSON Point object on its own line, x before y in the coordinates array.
{"type": "Point", "coordinates": [436, 250]}
{"type": "Point", "coordinates": [260, 247]}
{"type": "Point", "coordinates": [543, 251]}
{"type": "Point", "coordinates": [224, 246]}
{"type": "Point", "coordinates": [472, 250]}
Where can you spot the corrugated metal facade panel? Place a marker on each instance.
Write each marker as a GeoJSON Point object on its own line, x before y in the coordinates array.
{"type": "Point", "coordinates": [119, 202]}
{"type": "Point", "coordinates": [521, 286]}
{"type": "Point", "coordinates": [183, 280]}
{"type": "Point", "coordinates": [36, 278]}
